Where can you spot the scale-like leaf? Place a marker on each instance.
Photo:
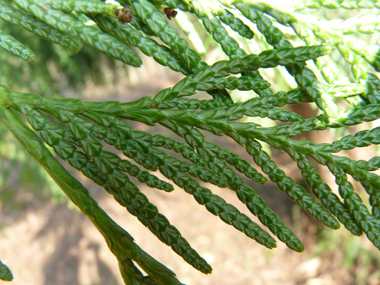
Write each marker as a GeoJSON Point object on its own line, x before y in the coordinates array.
{"type": "Point", "coordinates": [10, 44]}
{"type": "Point", "coordinates": [5, 272]}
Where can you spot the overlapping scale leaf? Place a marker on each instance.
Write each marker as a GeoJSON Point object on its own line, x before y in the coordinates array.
{"type": "Point", "coordinates": [357, 169]}
{"type": "Point", "coordinates": [189, 103]}
{"type": "Point", "coordinates": [189, 153]}
{"type": "Point", "coordinates": [106, 169]}
{"type": "Point", "coordinates": [213, 26]}
{"type": "Point", "coordinates": [272, 34]}
{"type": "Point", "coordinates": [372, 89]}
{"type": "Point", "coordinates": [215, 156]}
{"type": "Point", "coordinates": [253, 230]}
{"type": "Point", "coordinates": [5, 272]}
{"type": "Point", "coordinates": [236, 24]}
{"type": "Point", "coordinates": [286, 56]}
{"type": "Point", "coordinates": [345, 90]}
{"type": "Point", "coordinates": [204, 80]}
{"type": "Point", "coordinates": [11, 45]}
{"type": "Point", "coordinates": [360, 139]}
{"type": "Point", "coordinates": [355, 206]}
{"type": "Point", "coordinates": [132, 275]}
{"type": "Point", "coordinates": [158, 24]}
{"type": "Point", "coordinates": [216, 118]}
{"type": "Point", "coordinates": [269, 58]}
{"type": "Point", "coordinates": [80, 6]}
{"type": "Point", "coordinates": [38, 27]}
{"type": "Point", "coordinates": [248, 233]}
{"type": "Point", "coordinates": [127, 194]}
{"type": "Point", "coordinates": [355, 116]}
{"type": "Point", "coordinates": [289, 187]}
{"type": "Point", "coordinates": [323, 191]}
{"type": "Point", "coordinates": [119, 241]}
{"type": "Point", "coordinates": [139, 24]}
{"type": "Point", "coordinates": [128, 34]}
{"type": "Point", "coordinates": [252, 107]}
{"type": "Point", "coordinates": [89, 35]}
{"type": "Point", "coordinates": [246, 194]}
{"type": "Point", "coordinates": [176, 170]}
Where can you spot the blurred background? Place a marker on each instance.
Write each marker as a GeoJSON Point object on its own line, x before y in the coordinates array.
{"type": "Point", "coordinates": [45, 240]}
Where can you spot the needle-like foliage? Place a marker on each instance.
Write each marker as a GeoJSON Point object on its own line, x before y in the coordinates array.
{"type": "Point", "coordinates": [122, 29]}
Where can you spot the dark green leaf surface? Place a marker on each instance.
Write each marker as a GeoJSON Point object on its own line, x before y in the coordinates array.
{"type": "Point", "coordinates": [5, 273]}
